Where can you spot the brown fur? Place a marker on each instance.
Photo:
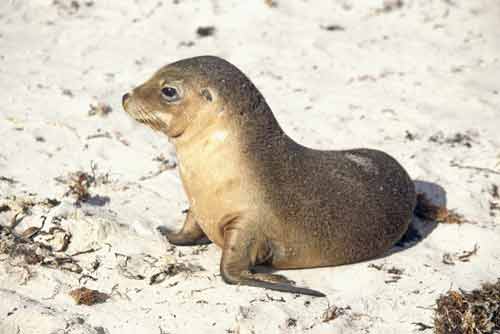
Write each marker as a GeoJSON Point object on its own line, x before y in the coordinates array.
{"type": "Point", "coordinates": [256, 193]}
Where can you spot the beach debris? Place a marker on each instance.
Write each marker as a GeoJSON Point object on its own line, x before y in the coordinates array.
{"type": "Point", "coordinates": [22, 205]}
{"type": "Point", "coordinates": [389, 6]}
{"type": "Point", "coordinates": [37, 246]}
{"type": "Point", "coordinates": [128, 266]}
{"type": "Point", "coordinates": [271, 3]}
{"type": "Point", "coordinates": [426, 210]}
{"type": "Point", "coordinates": [7, 180]}
{"type": "Point", "coordinates": [79, 185]}
{"type": "Point", "coordinates": [100, 134]}
{"type": "Point", "coordinates": [494, 191]}
{"type": "Point", "coordinates": [447, 259]}
{"type": "Point", "coordinates": [141, 266]}
{"type": "Point", "coordinates": [57, 239]}
{"type": "Point", "coordinates": [421, 326]}
{"type": "Point", "coordinates": [457, 139]}
{"type": "Point", "coordinates": [99, 109]}
{"type": "Point", "coordinates": [67, 92]}
{"type": "Point", "coordinates": [333, 312]}
{"type": "Point", "coordinates": [464, 256]}
{"type": "Point", "coordinates": [291, 322]}
{"type": "Point", "coordinates": [4, 208]}
{"type": "Point", "coordinates": [172, 269]}
{"type": "Point", "coordinates": [88, 296]}
{"type": "Point", "coordinates": [85, 278]}
{"type": "Point", "coordinates": [119, 136]}
{"type": "Point", "coordinates": [376, 266]}
{"type": "Point", "coordinates": [70, 7]}
{"type": "Point", "coordinates": [475, 168]}
{"type": "Point", "coordinates": [199, 249]}
{"type": "Point", "coordinates": [477, 311]}
{"type": "Point", "coordinates": [87, 251]}
{"type": "Point", "coordinates": [205, 31]}
{"type": "Point", "coordinates": [494, 208]}
{"type": "Point", "coordinates": [395, 273]}
{"type": "Point", "coordinates": [62, 262]}
{"type": "Point", "coordinates": [410, 136]}
{"type": "Point", "coordinates": [186, 44]}
{"type": "Point", "coordinates": [333, 27]}
{"type": "Point", "coordinates": [80, 182]}
{"type": "Point", "coordinates": [164, 165]}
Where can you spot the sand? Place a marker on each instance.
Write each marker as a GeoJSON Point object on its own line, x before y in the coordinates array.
{"type": "Point", "coordinates": [418, 79]}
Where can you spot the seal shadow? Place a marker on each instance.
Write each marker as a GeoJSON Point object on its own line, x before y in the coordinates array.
{"type": "Point", "coordinates": [98, 200]}
{"type": "Point", "coordinates": [419, 229]}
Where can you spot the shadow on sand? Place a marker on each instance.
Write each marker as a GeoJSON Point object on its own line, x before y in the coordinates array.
{"type": "Point", "coordinates": [419, 229]}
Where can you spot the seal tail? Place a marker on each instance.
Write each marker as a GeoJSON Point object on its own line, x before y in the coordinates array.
{"type": "Point", "coordinates": [283, 287]}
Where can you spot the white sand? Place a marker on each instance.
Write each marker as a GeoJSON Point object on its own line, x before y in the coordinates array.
{"type": "Point", "coordinates": [429, 67]}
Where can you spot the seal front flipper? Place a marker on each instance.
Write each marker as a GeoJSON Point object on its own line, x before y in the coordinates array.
{"type": "Point", "coordinates": [239, 255]}
{"type": "Point", "coordinates": [190, 234]}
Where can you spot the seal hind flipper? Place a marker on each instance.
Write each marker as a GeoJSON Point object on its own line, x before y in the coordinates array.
{"type": "Point", "coordinates": [239, 255]}
{"type": "Point", "coordinates": [190, 234]}
{"type": "Point", "coordinates": [283, 287]}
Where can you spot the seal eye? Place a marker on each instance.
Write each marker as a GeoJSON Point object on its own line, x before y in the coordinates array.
{"type": "Point", "coordinates": [170, 94]}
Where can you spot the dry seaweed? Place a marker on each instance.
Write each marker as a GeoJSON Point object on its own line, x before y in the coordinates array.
{"type": "Point", "coordinates": [25, 248]}
{"type": "Point", "coordinates": [395, 275]}
{"type": "Point", "coordinates": [375, 266]}
{"type": "Point", "coordinates": [389, 6]}
{"type": "Point", "coordinates": [205, 31]}
{"type": "Point", "coordinates": [426, 210]}
{"type": "Point", "coordinates": [291, 322]}
{"type": "Point", "coordinates": [271, 3]}
{"type": "Point", "coordinates": [395, 271]}
{"type": "Point", "coordinates": [7, 180]}
{"type": "Point", "coordinates": [333, 27]}
{"type": "Point", "coordinates": [421, 326]}
{"type": "Point", "coordinates": [463, 139]}
{"type": "Point", "coordinates": [88, 297]}
{"type": "Point", "coordinates": [164, 165]}
{"type": "Point", "coordinates": [333, 312]}
{"type": "Point", "coordinates": [100, 109]}
{"type": "Point", "coordinates": [462, 257]}
{"type": "Point", "coordinates": [4, 208]}
{"type": "Point", "coordinates": [64, 263]}
{"type": "Point", "coordinates": [80, 182]}
{"type": "Point", "coordinates": [494, 191]}
{"type": "Point", "coordinates": [173, 269]}
{"type": "Point", "coordinates": [79, 185]}
{"type": "Point", "coordinates": [465, 256]}
{"type": "Point", "coordinates": [478, 169]}
{"type": "Point", "coordinates": [475, 312]}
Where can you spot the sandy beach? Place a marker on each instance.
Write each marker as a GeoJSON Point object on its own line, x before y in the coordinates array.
{"type": "Point", "coordinates": [417, 79]}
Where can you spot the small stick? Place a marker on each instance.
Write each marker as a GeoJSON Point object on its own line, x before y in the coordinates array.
{"type": "Point", "coordinates": [91, 250]}
{"type": "Point", "coordinates": [480, 169]}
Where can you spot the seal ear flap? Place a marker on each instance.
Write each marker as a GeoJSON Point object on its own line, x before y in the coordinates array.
{"type": "Point", "coordinates": [205, 92]}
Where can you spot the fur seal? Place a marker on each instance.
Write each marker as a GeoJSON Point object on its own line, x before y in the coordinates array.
{"type": "Point", "coordinates": [256, 193]}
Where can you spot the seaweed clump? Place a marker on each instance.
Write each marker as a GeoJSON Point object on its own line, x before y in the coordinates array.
{"type": "Point", "coordinates": [474, 312]}
{"type": "Point", "coordinates": [426, 210]}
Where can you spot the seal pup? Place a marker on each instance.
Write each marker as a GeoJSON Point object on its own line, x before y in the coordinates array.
{"type": "Point", "coordinates": [255, 192]}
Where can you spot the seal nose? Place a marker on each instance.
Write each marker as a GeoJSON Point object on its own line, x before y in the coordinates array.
{"type": "Point", "coordinates": [125, 97]}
